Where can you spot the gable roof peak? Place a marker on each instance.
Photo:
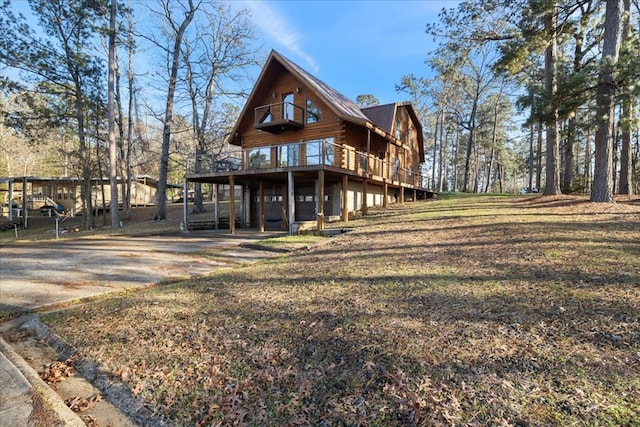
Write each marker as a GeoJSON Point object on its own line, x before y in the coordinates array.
{"type": "Point", "coordinates": [344, 107]}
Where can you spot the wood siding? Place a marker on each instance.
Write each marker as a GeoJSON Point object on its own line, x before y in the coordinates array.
{"type": "Point", "coordinates": [329, 126]}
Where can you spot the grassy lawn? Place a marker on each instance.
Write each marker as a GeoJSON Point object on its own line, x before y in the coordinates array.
{"type": "Point", "coordinates": [485, 310]}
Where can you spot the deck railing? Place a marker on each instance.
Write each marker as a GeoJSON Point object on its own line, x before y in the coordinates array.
{"type": "Point", "coordinates": [278, 113]}
{"type": "Point", "coordinates": [313, 153]}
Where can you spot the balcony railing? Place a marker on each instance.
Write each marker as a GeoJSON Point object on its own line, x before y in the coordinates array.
{"type": "Point", "coordinates": [320, 152]}
{"type": "Point", "coordinates": [278, 117]}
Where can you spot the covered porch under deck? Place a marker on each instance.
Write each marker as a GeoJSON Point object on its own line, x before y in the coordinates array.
{"type": "Point", "coordinates": [289, 198]}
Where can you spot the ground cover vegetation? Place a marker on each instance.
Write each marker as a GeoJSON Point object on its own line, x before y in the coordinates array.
{"type": "Point", "coordinates": [475, 310]}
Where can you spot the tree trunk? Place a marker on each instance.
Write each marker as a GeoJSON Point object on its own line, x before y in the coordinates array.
{"type": "Point", "coordinates": [470, 145]}
{"type": "Point", "coordinates": [539, 158]}
{"type": "Point", "coordinates": [454, 152]}
{"type": "Point", "coordinates": [111, 113]}
{"type": "Point", "coordinates": [489, 171]}
{"type": "Point", "coordinates": [626, 164]}
{"type": "Point", "coordinates": [531, 151]}
{"type": "Point", "coordinates": [130, 115]}
{"type": "Point", "coordinates": [435, 148]}
{"type": "Point", "coordinates": [442, 153]}
{"type": "Point", "coordinates": [602, 190]}
{"type": "Point", "coordinates": [569, 155]}
{"type": "Point", "coordinates": [552, 185]}
{"type": "Point", "coordinates": [161, 202]}
{"type": "Point", "coordinates": [87, 216]}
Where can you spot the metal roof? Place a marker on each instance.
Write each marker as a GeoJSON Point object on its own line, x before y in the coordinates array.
{"type": "Point", "coordinates": [378, 118]}
{"type": "Point", "coordinates": [381, 115]}
{"type": "Point", "coordinates": [343, 106]}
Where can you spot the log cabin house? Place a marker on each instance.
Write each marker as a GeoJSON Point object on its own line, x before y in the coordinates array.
{"type": "Point", "coordinates": [309, 155]}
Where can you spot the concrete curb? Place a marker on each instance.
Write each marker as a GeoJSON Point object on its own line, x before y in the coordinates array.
{"type": "Point", "coordinates": [114, 390]}
{"type": "Point", "coordinates": [66, 416]}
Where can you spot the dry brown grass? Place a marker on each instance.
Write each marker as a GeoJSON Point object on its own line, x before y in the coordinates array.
{"type": "Point", "coordinates": [478, 310]}
{"type": "Point", "coordinates": [138, 222]}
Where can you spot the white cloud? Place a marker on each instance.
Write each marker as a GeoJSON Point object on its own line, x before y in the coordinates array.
{"type": "Point", "coordinates": [277, 27]}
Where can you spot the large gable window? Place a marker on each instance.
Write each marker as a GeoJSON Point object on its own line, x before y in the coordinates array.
{"type": "Point", "coordinates": [314, 114]}
{"type": "Point", "coordinates": [398, 128]}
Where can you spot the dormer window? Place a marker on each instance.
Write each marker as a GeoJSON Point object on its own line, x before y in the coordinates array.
{"type": "Point", "coordinates": [314, 115]}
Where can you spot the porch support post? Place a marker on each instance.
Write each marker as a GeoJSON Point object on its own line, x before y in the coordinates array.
{"type": "Point", "coordinates": [415, 195]}
{"type": "Point", "coordinates": [11, 200]}
{"type": "Point", "coordinates": [401, 195]}
{"type": "Point", "coordinates": [261, 207]}
{"type": "Point", "coordinates": [24, 202]}
{"type": "Point", "coordinates": [291, 200]}
{"type": "Point", "coordinates": [320, 202]}
{"type": "Point", "coordinates": [284, 208]}
{"type": "Point", "coordinates": [364, 197]}
{"type": "Point", "coordinates": [232, 204]}
{"type": "Point", "coordinates": [345, 198]}
{"type": "Point", "coordinates": [185, 204]}
{"type": "Point", "coordinates": [385, 194]}
{"type": "Point", "coordinates": [243, 206]}
{"type": "Point", "coordinates": [216, 206]}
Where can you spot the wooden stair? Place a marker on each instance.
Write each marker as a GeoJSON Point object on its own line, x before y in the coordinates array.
{"type": "Point", "coordinates": [5, 224]}
{"type": "Point", "coordinates": [210, 224]}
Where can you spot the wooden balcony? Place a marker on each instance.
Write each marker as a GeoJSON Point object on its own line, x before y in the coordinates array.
{"type": "Point", "coordinates": [318, 154]}
{"type": "Point", "coordinates": [279, 117]}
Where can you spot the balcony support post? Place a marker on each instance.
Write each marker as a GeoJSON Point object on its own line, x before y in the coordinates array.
{"type": "Point", "coordinates": [261, 206]}
{"type": "Point", "coordinates": [345, 198]}
{"type": "Point", "coordinates": [185, 205]}
{"type": "Point", "coordinates": [216, 206]}
{"type": "Point", "coordinates": [11, 198]}
{"type": "Point", "coordinates": [320, 202]}
{"type": "Point", "coordinates": [364, 197]}
{"type": "Point", "coordinates": [385, 194]}
{"type": "Point", "coordinates": [25, 194]}
{"type": "Point", "coordinates": [401, 195]}
{"type": "Point", "coordinates": [232, 204]}
{"type": "Point", "coordinates": [291, 200]}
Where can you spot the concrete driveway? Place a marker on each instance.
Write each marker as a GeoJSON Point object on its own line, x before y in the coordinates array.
{"type": "Point", "coordinates": [39, 274]}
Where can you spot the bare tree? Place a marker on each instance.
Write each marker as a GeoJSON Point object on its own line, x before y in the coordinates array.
{"type": "Point", "coordinates": [552, 185]}
{"type": "Point", "coordinates": [216, 53]}
{"type": "Point", "coordinates": [602, 190]}
{"type": "Point", "coordinates": [111, 118]}
{"type": "Point", "coordinates": [626, 163]}
{"type": "Point", "coordinates": [177, 28]}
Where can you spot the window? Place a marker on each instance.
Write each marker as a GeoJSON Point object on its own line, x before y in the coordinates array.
{"type": "Point", "coordinates": [289, 155]}
{"type": "Point", "coordinates": [411, 135]}
{"type": "Point", "coordinates": [314, 151]}
{"type": "Point", "coordinates": [395, 171]}
{"type": "Point", "coordinates": [287, 106]}
{"type": "Point", "coordinates": [398, 128]}
{"type": "Point", "coordinates": [320, 151]}
{"type": "Point", "coordinates": [329, 152]}
{"type": "Point", "coordinates": [260, 158]}
{"type": "Point", "coordinates": [314, 114]}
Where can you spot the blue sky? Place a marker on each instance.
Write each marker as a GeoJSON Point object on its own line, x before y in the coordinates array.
{"type": "Point", "coordinates": [357, 47]}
